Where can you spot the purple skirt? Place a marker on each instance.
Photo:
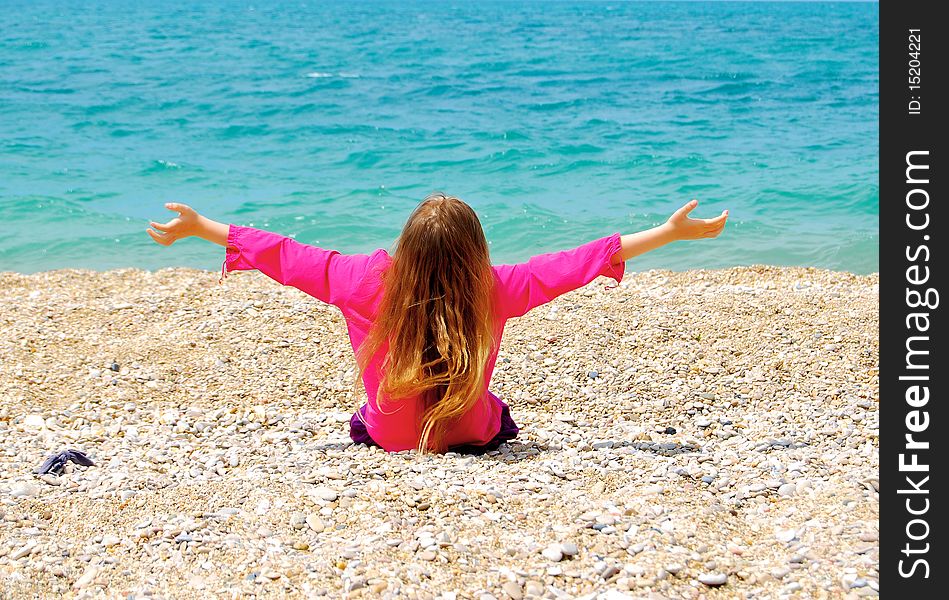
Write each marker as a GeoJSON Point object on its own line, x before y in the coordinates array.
{"type": "Point", "coordinates": [509, 430]}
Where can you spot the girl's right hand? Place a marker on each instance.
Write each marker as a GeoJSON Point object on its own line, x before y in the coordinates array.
{"type": "Point", "coordinates": [685, 228]}
{"type": "Point", "coordinates": [184, 225]}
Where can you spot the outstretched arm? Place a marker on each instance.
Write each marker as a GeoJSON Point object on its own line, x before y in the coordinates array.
{"type": "Point", "coordinates": [324, 274]}
{"type": "Point", "coordinates": [523, 286]}
{"type": "Point", "coordinates": [188, 223]}
{"type": "Point", "coordinates": [678, 227]}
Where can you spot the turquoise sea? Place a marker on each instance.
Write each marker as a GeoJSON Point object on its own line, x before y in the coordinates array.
{"type": "Point", "coordinates": [559, 121]}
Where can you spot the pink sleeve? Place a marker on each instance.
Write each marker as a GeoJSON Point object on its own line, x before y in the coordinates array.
{"type": "Point", "coordinates": [524, 286]}
{"type": "Point", "coordinates": [324, 274]}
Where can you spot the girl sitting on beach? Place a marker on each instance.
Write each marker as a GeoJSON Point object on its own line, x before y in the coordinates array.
{"type": "Point", "coordinates": [426, 322]}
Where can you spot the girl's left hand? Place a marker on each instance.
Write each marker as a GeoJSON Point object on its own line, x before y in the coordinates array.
{"type": "Point", "coordinates": [684, 228]}
{"type": "Point", "coordinates": [184, 225]}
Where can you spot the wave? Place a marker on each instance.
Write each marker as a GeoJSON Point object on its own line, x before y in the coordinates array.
{"type": "Point", "coordinates": [324, 75]}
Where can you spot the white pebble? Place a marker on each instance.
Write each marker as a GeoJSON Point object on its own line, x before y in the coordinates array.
{"type": "Point", "coordinates": [22, 551]}
{"type": "Point", "coordinates": [785, 535]}
{"type": "Point", "coordinates": [713, 579]}
{"type": "Point", "coordinates": [24, 490]}
{"type": "Point", "coordinates": [34, 422]}
{"type": "Point", "coordinates": [552, 553]}
{"type": "Point", "coordinates": [325, 493]}
{"type": "Point", "coordinates": [787, 489]}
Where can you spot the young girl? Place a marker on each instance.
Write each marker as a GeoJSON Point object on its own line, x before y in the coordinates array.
{"type": "Point", "coordinates": [426, 322]}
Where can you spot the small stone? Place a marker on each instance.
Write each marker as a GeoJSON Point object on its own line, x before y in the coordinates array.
{"type": "Point", "coordinates": [51, 479]}
{"type": "Point", "coordinates": [315, 523]}
{"type": "Point", "coordinates": [669, 430]}
{"type": "Point", "coordinates": [569, 549]}
{"type": "Point", "coordinates": [534, 588]}
{"type": "Point", "coordinates": [34, 422]}
{"type": "Point", "coordinates": [609, 572]}
{"type": "Point", "coordinates": [786, 535]}
{"type": "Point", "coordinates": [110, 540]}
{"type": "Point", "coordinates": [24, 490]}
{"type": "Point", "coordinates": [593, 374]}
{"type": "Point", "coordinates": [325, 493]}
{"type": "Point", "coordinates": [298, 545]}
{"type": "Point", "coordinates": [88, 576]}
{"type": "Point", "coordinates": [512, 590]}
{"type": "Point", "coordinates": [787, 489]}
{"type": "Point", "coordinates": [427, 555]}
{"type": "Point", "coordinates": [298, 520]}
{"type": "Point", "coordinates": [713, 579]}
{"type": "Point", "coordinates": [22, 551]}
{"type": "Point", "coordinates": [355, 584]}
{"type": "Point", "coordinates": [674, 568]}
{"type": "Point", "coordinates": [552, 553]}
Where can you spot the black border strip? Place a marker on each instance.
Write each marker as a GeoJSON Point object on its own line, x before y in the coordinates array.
{"type": "Point", "coordinates": [913, 366]}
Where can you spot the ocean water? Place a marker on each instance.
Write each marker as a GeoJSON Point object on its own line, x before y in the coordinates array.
{"type": "Point", "coordinates": [559, 122]}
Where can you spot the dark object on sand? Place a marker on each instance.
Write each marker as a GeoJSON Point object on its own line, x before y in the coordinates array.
{"type": "Point", "coordinates": [669, 430]}
{"type": "Point", "coordinates": [56, 462]}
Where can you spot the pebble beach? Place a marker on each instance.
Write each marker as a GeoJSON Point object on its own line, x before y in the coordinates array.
{"type": "Point", "coordinates": [697, 434]}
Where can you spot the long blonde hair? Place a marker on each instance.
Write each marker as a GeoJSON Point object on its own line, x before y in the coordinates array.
{"type": "Point", "coordinates": [436, 315]}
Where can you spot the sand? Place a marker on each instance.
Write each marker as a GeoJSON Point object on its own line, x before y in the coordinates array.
{"type": "Point", "coordinates": [698, 434]}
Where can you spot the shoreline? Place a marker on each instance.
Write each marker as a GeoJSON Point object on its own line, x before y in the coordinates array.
{"type": "Point", "coordinates": [223, 462]}
{"type": "Point", "coordinates": [757, 267]}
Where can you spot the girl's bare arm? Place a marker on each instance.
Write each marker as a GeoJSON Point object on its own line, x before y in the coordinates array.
{"type": "Point", "coordinates": [678, 227]}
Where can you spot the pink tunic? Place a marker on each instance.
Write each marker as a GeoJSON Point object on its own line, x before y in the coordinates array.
{"type": "Point", "coordinates": [351, 282]}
